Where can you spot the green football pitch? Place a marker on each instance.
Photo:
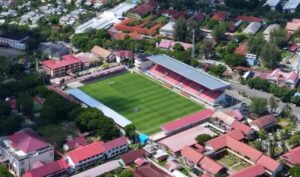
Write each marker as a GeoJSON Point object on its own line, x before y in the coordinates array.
{"type": "Point", "coordinates": [145, 102]}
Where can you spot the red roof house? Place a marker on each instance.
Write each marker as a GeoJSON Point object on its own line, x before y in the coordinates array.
{"type": "Point", "coordinates": [249, 19]}
{"type": "Point", "coordinates": [292, 157]}
{"type": "Point", "coordinates": [219, 16]}
{"type": "Point", "coordinates": [74, 143]}
{"type": "Point", "coordinates": [115, 143]}
{"type": "Point", "coordinates": [242, 127]}
{"type": "Point", "coordinates": [241, 49]}
{"type": "Point", "coordinates": [187, 121]}
{"type": "Point", "coordinates": [58, 168]}
{"type": "Point", "coordinates": [65, 61]}
{"type": "Point", "coordinates": [268, 163]}
{"type": "Point", "coordinates": [131, 156]}
{"type": "Point", "coordinates": [263, 122]}
{"type": "Point", "coordinates": [210, 166]}
{"type": "Point", "coordinates": [145, 8]}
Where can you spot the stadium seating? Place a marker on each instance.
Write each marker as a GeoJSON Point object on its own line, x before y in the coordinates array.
{"type": "Point", "coordinates": [184, 84]}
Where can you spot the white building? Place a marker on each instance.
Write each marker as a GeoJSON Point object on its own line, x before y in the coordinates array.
{"type": "Point", "coordinates": [90, 154]}
{"type": "Point", "coordinates": [141, 62]}
{"type": "Point", "coordinates": [167, 30]}
{"type": "Point", "coordinates": [291, 6]}
{"type": "Point", "coordinates": [272, 3]}
{"type": "Point", "coordinates": [16, 41]}
{"type": "Point", "coordinates": [24, 150]}
{"type": "Point", "coordinates": [252, 28]}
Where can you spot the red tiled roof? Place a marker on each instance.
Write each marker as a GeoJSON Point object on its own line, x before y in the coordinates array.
{"type": "Point", "coordinates": [124, 54]}
{"type": "Point", "coordinates": [241, 49]}
{"type": "Point", "coordinates": [47, 169]}
{"type": "Point", "coordinates": [65, 61]}
{"type": "Point", "coordinates": [294, 25]}
{"type": "Point", "coordinates": [242, 127]}
{"type": "Point", "coordinates": [210, 165]}
{"type": "Point", "coordinates": [78, 141]}
{"type": "Point", "coordinates": [149, 170]}
{"type": "Point", "coordinates": [84, 152]}
{"type": "Point", "coordinates": [236, 134]}
{"type": "Point", "coordinates": [27, 141]}
{"type": "Point", "coordinates": [187, 120]}
{"type": "Point", "coordinates": [175, 14]}
{"type": "Point", "coordinates": [115, 143]}
{"type": "Point", "coordinates": [236, 114]}
{"type": "Point", "coordinates": [198, 17]}
{"type": "Point", "coordinates": [264, 120]}
{"type": "Point", "coordinates": [191, 154]}
{"type": "Point", "coordinates": [145, 8]}
{"type": "Point", "coordinates": [131, 156]}
{"type": "Point", "coordinates": [292, 156]}
{"type": "Point", "coordinates": [268, 163]}
{"type": "Point", "coordinates": [249, 19]}
{"type": "Point", "coordinates": [12, 103]}
{"type": "Point", "coordinates": [252, 171]}
{"type": "Point", "coordinates": [219, 16]}
{"type": "Point", "coordinates": [229, 142]}
{"type": "Point", "coordinates": [38, 100]}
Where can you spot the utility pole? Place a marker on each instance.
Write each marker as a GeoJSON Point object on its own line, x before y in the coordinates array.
{"type": "Point", "coordinates": [193, 48]}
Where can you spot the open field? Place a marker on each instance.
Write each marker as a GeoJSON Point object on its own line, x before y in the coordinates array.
{"type": "Point", "coordinates": [146, 103]}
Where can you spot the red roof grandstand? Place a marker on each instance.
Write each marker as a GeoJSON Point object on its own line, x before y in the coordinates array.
{"type": "Point", "coordinates": [187, 121]}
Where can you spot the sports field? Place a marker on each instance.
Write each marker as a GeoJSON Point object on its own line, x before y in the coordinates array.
{"type": "Point", "coordinates": [143, 101]}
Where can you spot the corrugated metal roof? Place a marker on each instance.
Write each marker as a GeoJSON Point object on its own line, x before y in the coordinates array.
{"type": "Point", "coordinates": [91, 102]}
{"type": "Point", "coordinates": [291, 4]}
{"type": "Point", "coordinates": [272, 3]}
{"type": "Point", "coordinates": [189, 72]}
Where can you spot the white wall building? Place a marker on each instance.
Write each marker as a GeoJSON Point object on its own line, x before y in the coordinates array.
{"type": "Point", "coordinates": [23, 150]}
{"type": "Point", "coordinates": [167, 30]}
{"type": "Point", "coordinates": [17, 41]}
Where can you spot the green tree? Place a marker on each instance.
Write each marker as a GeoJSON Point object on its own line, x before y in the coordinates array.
{"type": "Point", "coordinates": [201, 139]}
{"type": "Point", "coordinates": [206, 48]}
{"type": "Point", "coordinates": [258, 106]}
{"type": "Point", "coordinates": [294, 140]}
{"type": "Point", "coordinates": [295, 171]}
{"type": "Point", "coordinates": [217, 70]}
{"type": "Point", "coordinates": [180, 29]}
{"type": "Point", "coordinates": [296, 100]}
{"type": "Point", "coordinates": [262, 134]}
{"type": "Point", "coordinates": [235, 60]}
{"type": "Point", "coordinates": [279, 37]}
{"type": "Point", "coordinates": [5, 109]}
{"type": "Point", "coordinates": [126, 173]}
{"type": "Point", "coordinates": [130, 131]}
{"type": "Point", "coordinates": [4, 172]}
{"type": "Point", "coordinates": [26, 103]}
{"type": "Point", "coordinates": [219, 32]}
{"type": "Point", "coordinates": [255, 43]}
{"type": "Point", "coordinates": [272, 103]}
{"type": "Point", "coordinates": [270, 55]}
{"type": "Point", "coordinates": [10, 124]}
{"type": "Point", "coordinates": [258, 84]}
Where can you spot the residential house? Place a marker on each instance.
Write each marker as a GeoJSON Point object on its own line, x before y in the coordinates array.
{"type": "Point", "coordinates": [169, 44]}
{"type": "Point", "coordinates": [145, 8]}
{"type": "Point", "coordinates": [219, 16]}
{"type": "Point", "coordinates": [281, 78]}
{"type": "Point", "coordinates": [254, 170]}
{"type": "Point", "coordinates": [252, 28]}
{"type": "Point", "coordinates": [167, 30]}
{"type": "Point", "coordinates": [73, 143]}
{"type": "Point", "coordinates": [149, 170]}
{"type": "Point", "coordinates": [251, 59]}
{"type": "Point", "coordinates": [123, 55]}
{"type": "Point", "coordinates": [249, 19]}
{"type": "Point", "coordinates": [269, 29]}
{"type": "Point", "coordinates": [293, 26]}
{"type": "Point", "coordinates": [14, 40]}
{"type": "Point", "coordinates": [272, 3]}
{"type": "Point", "coordinates": [68, 64]}
{"type": "Point", "coordinates": [292, 157]}
{"type": "Point", "coordinates": [23, 150]}
{"type": "Point", "coordinates": [102, 53]}
{"type": "Point", "coordinates": [88, 59]}
{"type": "Point", "coordinates": [129, 157]}
{"type": "Point", "coordinates": [173, 14]}
{"type": "Point", "coordinates": [263, 122]}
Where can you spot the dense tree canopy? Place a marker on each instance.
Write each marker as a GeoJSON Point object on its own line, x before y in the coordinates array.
{"type": "Point", "coordinates": [270, 55]}
{"type": "Point", "coordinates": [258, 106]}
{"type": "Point", "coordinates": [91, 119]}
{"type": "Point", "coordinates": [201, 139]}
{"type": "Point", "coordinates": [4, 172]}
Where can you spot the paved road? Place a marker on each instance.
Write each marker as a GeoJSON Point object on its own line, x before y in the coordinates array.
{"type": "Point", "coordinates": [256, 93]}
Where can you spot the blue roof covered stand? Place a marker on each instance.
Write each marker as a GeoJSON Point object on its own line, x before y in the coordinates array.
{"type": "Point", "coordinates": [91, 102]}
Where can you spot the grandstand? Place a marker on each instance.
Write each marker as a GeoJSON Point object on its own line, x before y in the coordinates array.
{"type": "Point", "coordinates": [194, 82]}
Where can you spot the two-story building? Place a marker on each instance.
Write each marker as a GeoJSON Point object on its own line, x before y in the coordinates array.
{"type": "Point", "coordinates": [23, 150]}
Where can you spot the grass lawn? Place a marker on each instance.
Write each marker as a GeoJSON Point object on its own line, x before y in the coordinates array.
{"type": "Point", "coordinates": [226, 159]}
{"type": "Point", "coordinates": [146, 103]}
